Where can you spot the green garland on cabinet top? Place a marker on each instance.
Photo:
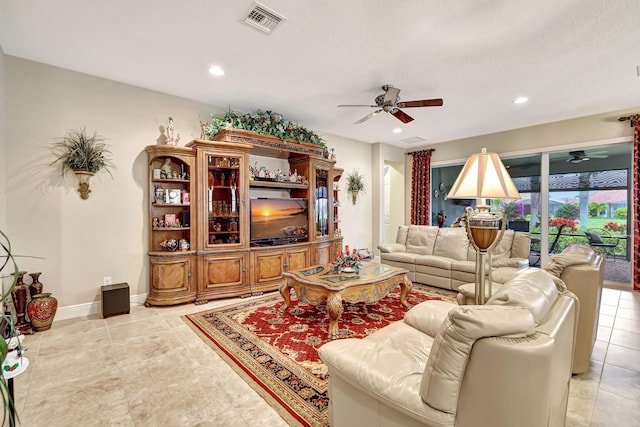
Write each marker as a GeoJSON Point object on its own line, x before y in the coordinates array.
{"type": "Point", "coordinates": [263, 122]}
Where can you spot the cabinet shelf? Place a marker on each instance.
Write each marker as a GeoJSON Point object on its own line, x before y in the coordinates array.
{"type": "Point", "coordinates": [183, 181]}
{"type": "Point", "coordinates": [273, 184]}
{"type": "Point", "coordinates": [170, 205]}
{"type": "Point", "coordinates": [222, 216]}
{"type": "Point", "coordinates": [220, 187]}
{"type": "Point", "coordinates": [171, 228]}
{"type": "Point", "coordinates": [223, 168]}
{"type": "Point", "coordinates": [224, 232]}
{"type": "Point", "coordinates": [172, 253]}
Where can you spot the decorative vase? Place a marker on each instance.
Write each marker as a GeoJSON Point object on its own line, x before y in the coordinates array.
{"type": "Point", "coordinates": [36, 286]}
{"type": "Point", "coordinates": [21, 297]}
{"type": "Point", "coordinates": [83, 180]}
{"type": "Point", "coordinates": [354, 197]}
{"type": "Point", "coordinates": [42, 310]}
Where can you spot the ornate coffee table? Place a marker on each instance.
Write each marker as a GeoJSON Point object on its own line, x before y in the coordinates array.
{"type": "Point", "coordinates": [318, 284]}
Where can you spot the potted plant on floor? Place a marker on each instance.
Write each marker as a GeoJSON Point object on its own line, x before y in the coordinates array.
{"type": "Point", "coordinates": [83, 155]}
{"type": "Point", "coordinates": [8, 268]}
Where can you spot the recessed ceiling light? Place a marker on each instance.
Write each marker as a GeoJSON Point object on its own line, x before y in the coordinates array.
{"type": "Point", "coordinates": [396, 130]}
{"type": "Point", "coordinates": [216, 70]}
{"type": "Point", "coordinates": [521, 100]}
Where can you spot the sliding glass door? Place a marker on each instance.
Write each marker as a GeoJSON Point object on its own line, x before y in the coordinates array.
{"type": "Point", "coordinates": [565, 194]}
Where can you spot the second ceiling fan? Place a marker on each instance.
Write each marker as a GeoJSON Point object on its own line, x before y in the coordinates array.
{"type": "Point", "coordinates": [389, 102]}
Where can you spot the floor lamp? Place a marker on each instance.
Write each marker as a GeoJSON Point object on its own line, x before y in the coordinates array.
{"type": "Point", "coordinates": [483, 177]}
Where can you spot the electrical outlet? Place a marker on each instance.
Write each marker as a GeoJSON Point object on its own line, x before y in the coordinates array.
{"type": "Point", "coordinates": [107, 281]}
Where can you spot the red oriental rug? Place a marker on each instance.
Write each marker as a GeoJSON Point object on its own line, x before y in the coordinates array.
{"type": "Point", "coordinates": [277, 354]}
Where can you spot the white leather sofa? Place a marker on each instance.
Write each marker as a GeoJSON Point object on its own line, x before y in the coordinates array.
{"type": "Point", "coordinates": [443, 257]}
{"type": "Point", "coordinates": [504, 364]}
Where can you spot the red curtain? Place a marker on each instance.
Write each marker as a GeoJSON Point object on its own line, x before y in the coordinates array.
{"type": "Point", "coordinates": [635, 275]}
{"type": "Point", "coordinates": [420, 187]}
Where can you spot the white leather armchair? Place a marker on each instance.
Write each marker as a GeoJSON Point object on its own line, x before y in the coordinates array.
{"type": "Point", "coordinates": [506, 363]}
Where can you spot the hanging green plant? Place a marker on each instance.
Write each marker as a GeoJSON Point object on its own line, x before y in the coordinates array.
{"type": "Point", "coordinates": [263, 122]}
{"type": "Point", "coordinates": [355, 184]}
{"type": "Point", "coordinates": [78, 151]}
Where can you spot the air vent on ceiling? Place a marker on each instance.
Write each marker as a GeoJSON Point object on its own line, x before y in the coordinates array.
{"type": "Point", "coordinates": [263, 19]}
{"type": "Point", "coordinates": [412, 140]}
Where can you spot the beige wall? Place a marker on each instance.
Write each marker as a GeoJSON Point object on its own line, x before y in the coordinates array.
{"type": "Point", "coordinates": [82, 241]}
{"type": "Point", "coordinates": [356, 222]}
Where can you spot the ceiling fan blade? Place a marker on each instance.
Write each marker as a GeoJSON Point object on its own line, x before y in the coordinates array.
{"type": "Point", "coordinates": [437, 102]}
{"type": "Point", "coordinates": [391, 94]}
{"type": "Point", "coordinates": [357, 105]}
{"type": "Point", "coordinates": [367, 117]}
{"type": "Point", "coordinates": [402, 116]}
{"type": "Point", "coordinates": [597, 154]}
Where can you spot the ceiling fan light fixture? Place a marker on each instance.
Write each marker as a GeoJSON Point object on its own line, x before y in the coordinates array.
{"type": "Point", "coordinates": [521, 100]}
{"type": "Point", "coordinates": [396, 130]}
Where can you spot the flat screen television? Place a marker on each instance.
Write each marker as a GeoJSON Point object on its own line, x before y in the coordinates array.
{"type": "Point", "coordinates": [279, 221]}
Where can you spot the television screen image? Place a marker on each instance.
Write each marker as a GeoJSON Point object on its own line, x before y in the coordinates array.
{"type": "Point", "coordinates": [279, 221]}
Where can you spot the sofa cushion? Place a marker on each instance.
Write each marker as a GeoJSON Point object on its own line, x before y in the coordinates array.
{"type": "Point", "coordinates": [450, 351]}
{"type": "Point", "coordinates": [401, 237]}
{"type": "Point", "coordinates": [398, 257]}
{"type": "Point", "coordinates": [531, 288]}
{"type": "Point", "coordinates": [434, 261]}
{"type": "Point", "coordinates": [466, 266]}
{"type": "Point", "coordinates": [501, 251]}
{"type": "Point", "coordinates": [421, 238]}
{"type": "Point", "coordinates": [521, 245]}
{"type": "Point", "coordinates": [391, 247]}
{"type": "Point", "coordinates": [452, 243]}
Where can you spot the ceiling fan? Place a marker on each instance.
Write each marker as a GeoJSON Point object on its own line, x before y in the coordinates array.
{"type": "Point", "coordinates": [581, 156]}
{"type": "Point", "coordinates": [389, 102]}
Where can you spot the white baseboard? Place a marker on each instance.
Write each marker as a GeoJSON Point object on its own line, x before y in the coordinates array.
{"type": "Point", "coordinates": [87, 309]}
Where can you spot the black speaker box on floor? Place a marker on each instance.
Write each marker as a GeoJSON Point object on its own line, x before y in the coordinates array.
{"type": "Point", "coordinates": [115, 299]}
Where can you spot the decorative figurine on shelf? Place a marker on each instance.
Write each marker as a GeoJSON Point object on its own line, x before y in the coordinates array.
{"type": "Point", "coordinates": [184, 244]}
{"type": "Point", "coordinates": [159, 194]}
{"type": "Point", "coordinates": [332, 156]}
{"type": "Point", "coordinates": [217, 227]}
{"type": "Point", "coordinates": [171, 137]}
{"type": "Point", "coordinates": [169, 245]}
{"type": "Point", "coordinates": [155, 222]}
{"type": "Point", "coordinates": [166, 170]}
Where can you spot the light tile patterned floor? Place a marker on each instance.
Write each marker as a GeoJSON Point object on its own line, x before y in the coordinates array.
{"type": "Point", "coordinates": [148, 369]}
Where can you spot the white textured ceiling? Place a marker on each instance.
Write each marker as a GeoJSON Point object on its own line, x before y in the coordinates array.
{"type": "Point", "coordinates": [570, 57]}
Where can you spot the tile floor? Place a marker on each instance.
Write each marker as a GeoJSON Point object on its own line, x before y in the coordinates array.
{"type": "Point", "coordinates": [148, 369]}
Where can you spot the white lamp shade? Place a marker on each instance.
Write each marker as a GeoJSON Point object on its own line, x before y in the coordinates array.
{"type": "Point", "coordinates": [484, 177]}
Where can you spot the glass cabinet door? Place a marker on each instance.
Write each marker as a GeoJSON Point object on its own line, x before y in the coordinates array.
{"type": "Point", "coordinates": [321, 203]}
{"type": "Point", "coordinates": [223, 203]}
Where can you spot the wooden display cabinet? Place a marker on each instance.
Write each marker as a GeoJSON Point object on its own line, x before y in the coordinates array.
{"type": "Point", "coordinates": [170, 225]}
{"type": "Point", "coordinates": [215, 217]}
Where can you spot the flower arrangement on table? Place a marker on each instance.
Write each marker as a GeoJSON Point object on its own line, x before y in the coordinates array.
{"type": "Point", "coordinates": [348, 260]}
